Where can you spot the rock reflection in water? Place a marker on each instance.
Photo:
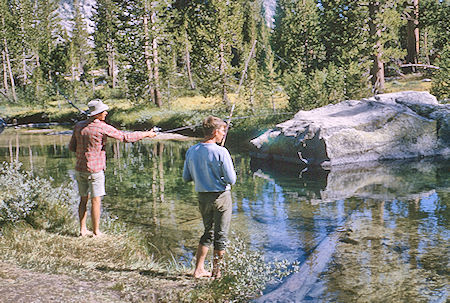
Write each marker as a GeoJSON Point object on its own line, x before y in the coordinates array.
{"type": "Point", "coordinates": [385, 181]}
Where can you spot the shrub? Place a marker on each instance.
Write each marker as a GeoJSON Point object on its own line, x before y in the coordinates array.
{"type": "Point", "coordinates": [326, 86]}
{"type": "Point", "coordinates": [24, 197]}
{"type": "Point", "coordinates": [245, 275]}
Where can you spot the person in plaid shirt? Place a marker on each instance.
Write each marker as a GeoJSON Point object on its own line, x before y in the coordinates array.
{"type": "Point", "coordinates": [88, 142]}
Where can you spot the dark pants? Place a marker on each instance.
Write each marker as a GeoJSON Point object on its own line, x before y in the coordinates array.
{"type": "Point", "coordinates": [216, 208]}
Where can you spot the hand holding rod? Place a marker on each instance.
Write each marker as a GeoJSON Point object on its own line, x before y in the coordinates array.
{"type": "Point", "coordinates": [228, 126]}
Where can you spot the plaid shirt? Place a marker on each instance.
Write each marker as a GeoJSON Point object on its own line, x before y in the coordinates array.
{"type": "Point", "coordinates": [89, 139]}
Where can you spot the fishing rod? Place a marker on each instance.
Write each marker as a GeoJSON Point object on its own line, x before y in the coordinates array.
{"type": "Point", "coordinates": [158, 129]}
{"type": "Point", "coordinates": [68, 100]}
{"type": "Point", "coordinates": [228, 126]}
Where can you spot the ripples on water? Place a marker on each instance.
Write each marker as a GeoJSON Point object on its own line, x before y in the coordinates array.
{"type": "Point", "coordinates": [389, 222]}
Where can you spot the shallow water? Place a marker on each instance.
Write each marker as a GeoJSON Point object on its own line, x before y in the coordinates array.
{"type": "Point", "coordinates": [372, 233]}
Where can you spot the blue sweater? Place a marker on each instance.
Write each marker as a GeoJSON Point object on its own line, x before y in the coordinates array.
{"type": "Point", "coordinates": [210, 166]}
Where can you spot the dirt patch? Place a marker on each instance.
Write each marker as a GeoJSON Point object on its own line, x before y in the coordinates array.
{"type": "Point", "coordinates": [37, 266]}
{"type": "Point", "coordinates": [23, 285]}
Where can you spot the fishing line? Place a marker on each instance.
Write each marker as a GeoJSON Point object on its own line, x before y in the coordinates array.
{"type": "Point", "coordinates": [193, 126]}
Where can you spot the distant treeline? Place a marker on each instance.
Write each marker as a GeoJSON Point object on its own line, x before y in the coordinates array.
{"type": "Point", "coordinates": [317, 51]}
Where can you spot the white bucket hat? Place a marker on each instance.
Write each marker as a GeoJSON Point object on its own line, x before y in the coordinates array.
{"type": "Point", "coordinates": [96, 106]}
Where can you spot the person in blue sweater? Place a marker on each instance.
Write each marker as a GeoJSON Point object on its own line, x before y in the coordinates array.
{"type": "Point", "coordinates": [211, 168]}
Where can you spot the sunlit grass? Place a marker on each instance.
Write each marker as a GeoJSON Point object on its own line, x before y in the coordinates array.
{"type": "Point", "coordinates": [120, 259]}
{"type": "Point", "coordinates": [412, 82]}
{"type": "Point", "coordinates": [53, 252]}
{"type": "Point", "coordinates": [194, 103]}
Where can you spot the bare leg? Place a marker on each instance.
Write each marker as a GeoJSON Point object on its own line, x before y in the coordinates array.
{"type": "Point", "coordinates": [217, 262]}
{"type": "Point", "coordinates": [82, 214]}
{"type": "Point", "coordinates": [95, 215]}
{"type": "Point", "coordinates": [200, 271]}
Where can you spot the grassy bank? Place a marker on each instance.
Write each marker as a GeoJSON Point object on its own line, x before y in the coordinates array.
{"type": "Point", "coordinates": [117, 261]}
{"type": "Point", "coordinates": [38, 227]}
{"type": "Point", "coordinates": [39, 232]}
{"type": "Point", "coordinates": [182, 112]}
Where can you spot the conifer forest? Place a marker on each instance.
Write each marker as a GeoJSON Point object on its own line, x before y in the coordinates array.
{"type": "Point", "coordinates": [315, 51]}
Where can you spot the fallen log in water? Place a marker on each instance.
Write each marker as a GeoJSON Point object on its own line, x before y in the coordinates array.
{"type": "Point", "coordinates": [298, 285]}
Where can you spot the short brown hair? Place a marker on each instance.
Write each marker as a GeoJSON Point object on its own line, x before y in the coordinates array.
{"type": "Point", "coordinates": [210, 124]}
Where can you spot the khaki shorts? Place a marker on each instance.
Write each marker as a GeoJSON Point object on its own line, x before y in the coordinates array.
{"type": "Point", "coordinates": [93, 183]}
{"type": "Point", "coordinates": [216, 209]}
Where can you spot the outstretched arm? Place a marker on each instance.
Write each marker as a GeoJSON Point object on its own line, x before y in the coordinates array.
{"type": "Point", "coordinates": [113, 132]}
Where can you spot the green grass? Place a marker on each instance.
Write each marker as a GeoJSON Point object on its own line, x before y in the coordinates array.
{"type": "Point", "coordinates": [410, 82]}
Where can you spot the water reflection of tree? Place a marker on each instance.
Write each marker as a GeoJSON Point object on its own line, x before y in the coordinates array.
{"type": "Point", "coordinates": [45, 155]}
{"type": "Point", "coordinates": [143, 175]}
{"type": "Point", "coordinates": [398, 252]}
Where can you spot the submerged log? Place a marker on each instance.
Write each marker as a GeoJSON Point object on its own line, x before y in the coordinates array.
{"type": "Point", "coordinates": [388, 126]}
{"type": "Point", "coordinates": [297, 286]}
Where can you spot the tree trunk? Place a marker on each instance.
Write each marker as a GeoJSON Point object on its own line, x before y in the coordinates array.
{"type": "Point", "coordinates": [113, 68]}
{"type": "Point", "coordinates": [252, 105]}
{"type": "Point", "coordinates": [8, 62]}
{"type": "Point", "coordinates": [246, 66]}
{"type": "Point", "coordinates": [5, 73]}
{"type": "Point", "coordinates": [38, 65]}
{"type": "Point", "coordinates": [11, 76]}
{"type": "Point", "coordinates": [377, 70]}
{"type": "Point", "coordinates": [148, 60]}
{"type": "Point", "coordinates": [271, 78]}
{"type": "Point", "coordinates": [412, 40]}
{"type": "Point", "coordinates": [425, 42]}
{"type": "Point", "coordinates": [111, 64]}
{"type": "Point", "coordinates": [24, 55]}
{"type": "Point", "coordinates": [24, 68]}
{"type": "Point", "coordinates": [158, 98]}
{"type": "Point", "coordinates": [225, 98]}
{"type": "Point", "coordinates": [188, 63]}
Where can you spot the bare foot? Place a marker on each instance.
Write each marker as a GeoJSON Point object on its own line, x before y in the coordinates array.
{"type": "Point", "coordinates": [99, 234]}
{"type": "Point", "coordinates": [201, 274]}
{"type": "Point", "coordinates": [216, 274]}
{"type": "Point", "coordinates": [86, 233]}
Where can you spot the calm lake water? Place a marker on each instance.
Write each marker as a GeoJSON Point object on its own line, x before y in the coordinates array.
{"type": "Point", "coordinates": [373, 233]}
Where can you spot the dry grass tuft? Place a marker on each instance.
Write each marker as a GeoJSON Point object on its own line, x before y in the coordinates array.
{"type": "Point", "coordinates": [119, 261]}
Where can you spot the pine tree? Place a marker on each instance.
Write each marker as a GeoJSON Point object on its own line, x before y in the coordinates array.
{"type": "Point", "coordinates": [142, 31]}
{"type": "Point", "coordinates": [7, 35]}
{"type": "Point", "coordinates": [257, 77]}
{"type": "Point", "coordinates": [434, 29]}
{"type": "Point", "coordinates": [412, 34]}
{"type": "Point", "coordinates": [48, 36]}
{"type": "Point", "coordinates": [105, 38]}
{"type": "Point", "coordinates": [180, 37]}
{"type": "Point", "coordinates": [365, 32]}
{"type": "Point", "coordinates": [80, 50]}
{"type": "Point", "coordinates": [215, 31]}
{"type": "Point", "coordinates": [296, 35]}
{"type": "Point", "coordinates": [441, 81]}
